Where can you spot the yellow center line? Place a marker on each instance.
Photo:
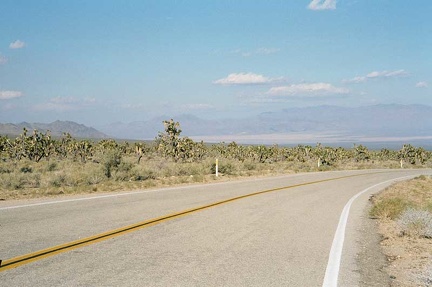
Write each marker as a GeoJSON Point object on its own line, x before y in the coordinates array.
{"type": "Point", "coordinates": [34, 256]}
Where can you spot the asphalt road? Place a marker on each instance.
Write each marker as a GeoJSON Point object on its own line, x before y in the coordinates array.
{"type": "Point", "coordinates": [279, 238]}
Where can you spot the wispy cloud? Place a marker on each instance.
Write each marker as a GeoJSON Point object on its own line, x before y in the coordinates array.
{"type": "Point", "coordinates": [6, 95]}
{"type": "Point", "coordinates": [17, 45]}
{"type": "Point", "coordinates": [311, 89]}
{"type": "Point", "coordinates": [3, 59]}
{"type": "Point", "coordinates": [61, 104]}
{"type": "Point", "coordinates": [247, 79]}
{"type": "Point", "coordinates": [322, 5]}
{"type": "Point", "coordinates": [422, 85]}
{"type": "Point", "coordinates": [377, 75]}
{"type": "Point", "coordinates": [244, 79]}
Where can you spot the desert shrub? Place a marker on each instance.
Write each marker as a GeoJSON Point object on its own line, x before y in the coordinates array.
{"type": "Point", "coordinates": [16, 181]}
{"type": "Point", "coordinates": [58, 180]}
{"type": "Point", "coordinates": [33, 180]}
{"type": "Point", "coordinates": [94, 176]}
{"type": "Point", "coordinates": [249, 165]}
{"type": "Point", "coordinates": [4, 169]}
{"type": "Point", "coordinates": [143, 174]}
{"type": "Point", "coordinates": [416, 223]}
{"type": "Point", "coordinates": [12, 181]}
{"type": "Point", "coordinates": [224, 167]}
{"type": "Point", "coordinates": [389, 208]}
{"type": "Point", "coordinates": [187, 169]}
{"type": "Point", "coordinates": [51, 166]}
{"type": "Point", "coordinates": [26, 169]}
{"type": "Point", "coordinates": [110, 161]}
{"type": "Point", "coordinates": [123, 171]}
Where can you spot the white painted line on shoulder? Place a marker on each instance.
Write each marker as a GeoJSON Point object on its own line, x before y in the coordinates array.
{"type": "Point", "coordinates": [333, 265]}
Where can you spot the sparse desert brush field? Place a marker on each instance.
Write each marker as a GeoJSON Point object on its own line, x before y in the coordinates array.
{"type": "Point", "coordinates": [405, 214]}
{"type": "Point", "coordinates": [35, 165]}
{"type": "Point", "coordinates": [51, 177]}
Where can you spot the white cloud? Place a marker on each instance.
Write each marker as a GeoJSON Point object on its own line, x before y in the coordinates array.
{"type": "Point", "coordinates": [377, 75]}
{"type": "Point", "coordinates": [243, 79]}
{"type": "Point", "coordinates": [312, 89]}
{"type": "Point", "coordinates": [422, 85]}
{"type": "Point", "coordinates": [6, 95]}
{"type": "Point", "coordinates": [322, 5]}
{"type": "Point", "coordinates": [387, 74]}
{"type": "Point", "coordinates": [17, 45]}
{"type": "Point", "coordinates": [3, 59]}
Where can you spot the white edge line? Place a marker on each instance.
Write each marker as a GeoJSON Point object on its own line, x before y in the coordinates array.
{"type": "Point", "coordinates": [332, 271]}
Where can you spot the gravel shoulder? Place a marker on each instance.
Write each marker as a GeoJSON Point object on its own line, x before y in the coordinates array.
{"type": "Point", "coordinates": [371, 260]}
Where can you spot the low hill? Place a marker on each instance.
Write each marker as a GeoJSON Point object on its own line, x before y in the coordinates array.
{"type": "Point", "coordinates": [56, 128]}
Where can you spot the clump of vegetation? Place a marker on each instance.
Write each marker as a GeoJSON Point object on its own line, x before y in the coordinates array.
{"type": "Point", "coordinates": [389, 208]}
{"type": "Point", "coordinates": [395, 200]}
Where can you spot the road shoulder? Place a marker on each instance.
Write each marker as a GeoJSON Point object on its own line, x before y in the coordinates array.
{"type": "Point", "coordinates": [371, 259]}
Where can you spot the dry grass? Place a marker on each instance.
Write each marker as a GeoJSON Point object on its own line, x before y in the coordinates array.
{"type": "Point", "coordinates": [111, 171]}
{"type": "Point", "coordinates": [26, 179]}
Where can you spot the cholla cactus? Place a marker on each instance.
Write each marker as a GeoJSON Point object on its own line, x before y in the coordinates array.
{"type": "Point", "coordinates": [170, 145]}
{"type": "Point", "coordinates": [34, 147]}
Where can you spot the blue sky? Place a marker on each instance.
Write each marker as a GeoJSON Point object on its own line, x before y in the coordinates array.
{"type": "Point", "coordinates": [97, 62]}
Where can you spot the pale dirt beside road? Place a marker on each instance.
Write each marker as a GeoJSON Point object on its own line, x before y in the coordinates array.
{"type": "Point", "coordinates": [371, 259]}
{"type": "Point", "coordinates": [401, 258]}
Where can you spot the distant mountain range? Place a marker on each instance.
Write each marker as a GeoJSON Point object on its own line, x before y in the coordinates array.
{"type": "Point", "coordinates": [310, 124]}
{"type": "Point", "coordinates": [56, 128]}
{"type": "Point", "coordinates": [325, 124]}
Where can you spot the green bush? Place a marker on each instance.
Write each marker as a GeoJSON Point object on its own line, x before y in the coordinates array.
{"type": "Point", "coordinates": [110, 161]}
{"type": "Point", "coordinates": [26, 169]}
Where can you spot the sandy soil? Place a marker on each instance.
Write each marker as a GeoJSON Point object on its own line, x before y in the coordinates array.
{"type": "Point", "coordinates": [409, 259]}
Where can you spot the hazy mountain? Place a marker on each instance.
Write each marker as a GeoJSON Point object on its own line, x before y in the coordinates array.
{"type": "Point", "coordinates": [325, 124]}
{"type": "Point", "coordinates": [56, 128]}
{"type": "Point", "coordinates": [340, 123]}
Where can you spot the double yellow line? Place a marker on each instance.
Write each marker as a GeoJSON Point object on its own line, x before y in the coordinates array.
{"type": "Point", "coordinates": [35, 256]}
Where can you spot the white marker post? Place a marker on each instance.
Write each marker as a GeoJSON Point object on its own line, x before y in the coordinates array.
{"type": "Point", "coordinates": [217, 168]}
